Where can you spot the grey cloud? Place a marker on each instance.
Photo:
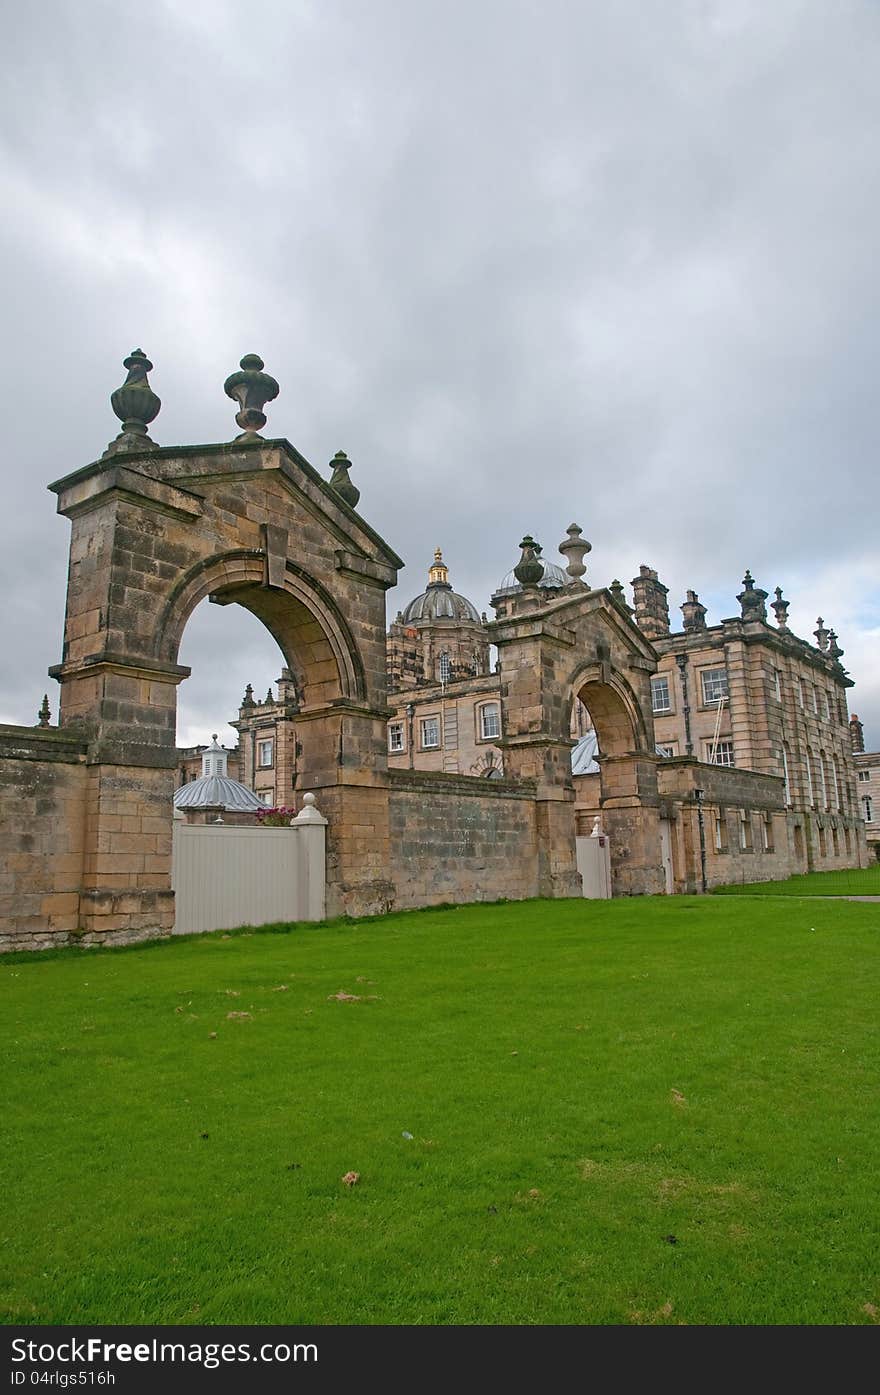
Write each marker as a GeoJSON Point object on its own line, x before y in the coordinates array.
{"type": "Point", "coordinates": [524, 263]}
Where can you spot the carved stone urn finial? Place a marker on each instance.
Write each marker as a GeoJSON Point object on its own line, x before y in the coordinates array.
{"type": "Point", "coordinates": [834, 649]}
{"type": "Point", "coordinates": [44, 715]}
{"type": "Point", "coordinates": [574, 549]}
{"type": "Point", "coordinates": [780, 609]}
{"type": "Point", "coordinates": [529, 569]}
{"type": "Point", "coordinates": [251, 388]}
{"type": "Point", "coordinates": [340, 465]}
{"type": "Point", "coordinates": [136, 405]}
{"type": "Point", "coordinates": [751, 599]}
{"type": "Point", "coordinates": [821, 634]}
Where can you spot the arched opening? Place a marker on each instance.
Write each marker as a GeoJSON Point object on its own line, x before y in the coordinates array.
{"type": "Point", "coordinates": [241, 688]}
{"type": "Point", "coordinates": [614, 777]}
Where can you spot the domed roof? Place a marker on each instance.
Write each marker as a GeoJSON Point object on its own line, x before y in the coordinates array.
{"type": "Point", "coordinates": [554, 577]}
{"type": "Point", "coordinates": [217, 792]}
{"type": "Point", "coordinates": [214, 789]}
{"type": "Point", "coordinates": [439, 601]}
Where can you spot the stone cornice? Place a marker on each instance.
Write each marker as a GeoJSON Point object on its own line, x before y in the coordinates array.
{"type": "Point", "coordinates": [129, 665]}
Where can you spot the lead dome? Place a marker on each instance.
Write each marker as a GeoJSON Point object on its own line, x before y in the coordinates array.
{"type": "Point", "coordinates": [438, 601]}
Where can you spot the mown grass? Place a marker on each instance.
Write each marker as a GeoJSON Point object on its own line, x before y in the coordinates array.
{"type": "Point", "coordinates": [849, 881]}
{"type": "Point", "coordinates": [637, 1111]}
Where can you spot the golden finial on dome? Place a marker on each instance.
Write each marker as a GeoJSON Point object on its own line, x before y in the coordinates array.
{"type": "Point", "coordinates": [439, 573]}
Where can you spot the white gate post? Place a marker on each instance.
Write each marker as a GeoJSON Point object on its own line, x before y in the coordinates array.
{"type": "Point", "coordinates": [310, 826]}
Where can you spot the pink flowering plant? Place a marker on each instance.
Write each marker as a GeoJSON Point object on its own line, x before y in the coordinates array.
{"type": "Point", "coordinates": [277, 817]}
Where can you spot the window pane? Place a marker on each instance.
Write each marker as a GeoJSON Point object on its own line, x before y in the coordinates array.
{"type": "Point", "coordinates": [714, 682]}
{"type": "Point", "coordinates": [490, 721]}
{"type": "Point", "coordinates": [660, 694]}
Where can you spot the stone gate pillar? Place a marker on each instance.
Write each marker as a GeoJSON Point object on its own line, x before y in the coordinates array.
{"type": "Point", "coordinates": [155, 531]}
{"type": "Point", "coordinates": [532, 652]}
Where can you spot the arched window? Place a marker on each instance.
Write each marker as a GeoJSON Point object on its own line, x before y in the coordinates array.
{"type": "Point", "coordinates": [445, 667]}
{"type": "Point", "coordinates": [811, 796]}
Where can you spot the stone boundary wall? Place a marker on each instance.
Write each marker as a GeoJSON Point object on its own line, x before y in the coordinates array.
{"type": "Point", "coordinates": [461, 838]}
{"type": "Point", "coordinates": [42, 828]}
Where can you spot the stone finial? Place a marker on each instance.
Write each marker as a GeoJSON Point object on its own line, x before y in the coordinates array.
{"type": "Point", "coordinates": [270, 698]}
{"type": "Point", "coordinates": [694, 613]}
{"type": "Point", "coordinates": [856, 735]}
{"type": "Point", "coordinates": [574, 549]}
{"type": "Point", "coordinates": [834, 650]}
{"type": "Point", "coordinates": [619, 595]}
{"type": "Point", "coordinates": [251, 388]}
{"type": "Point", "coordinates": [821, 634]}
{"type": "Point", "coordinates": [529, 569]}
{"type": "Point", "coordinates": [136, 405]}
{"type": "Point", "coordinates": [780, 609]}
{"type": "Point", "coordinates": [248, 699]}
{"type": "Point", "coordinates": [348, 492]}
{"type": "Point", "coordinates": [751, 599]}
{"type": "Point", "coordinates": [44, 714]}
{"type": "Point", "coordinates": [309, 813]}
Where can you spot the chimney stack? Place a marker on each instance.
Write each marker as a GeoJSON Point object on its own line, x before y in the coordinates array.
{"type": "Point", "coordinates": [651, 605]}
{"type": "Point", "coordinates": [856, 735]}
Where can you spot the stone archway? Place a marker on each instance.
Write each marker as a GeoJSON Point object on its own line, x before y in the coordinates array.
{"type": "Point", "coordinates": [628, 798]}
{"type": "Point", "coordinates": [155, 531]}
{"type": "Point", "coordinates": [552, 648]}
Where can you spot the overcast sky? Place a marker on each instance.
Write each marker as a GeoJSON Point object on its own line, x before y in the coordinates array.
{"type": "Point", "coordinates": [611, 262]}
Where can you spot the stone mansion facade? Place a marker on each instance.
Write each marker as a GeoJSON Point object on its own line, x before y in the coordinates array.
{"type": "Point", "coordinates": [744, 695]}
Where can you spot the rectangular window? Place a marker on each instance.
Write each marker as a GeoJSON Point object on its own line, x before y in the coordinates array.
{"type": "Point", "coordinates": [785, 776]}
{"type": "Point", "coordinates": [395, 736]}
{"type": "Point", "coordinates": [445, 668]}
{"type": "Point", "coordinates": [667, 750]}
{"type": "Point", "coordinates": [660, 695]}
{"type": "Point", "coordinates": [490, 721]}
{"type": "Point", "coordinates": [776, 680]}
{"type": "Point", "coordinates": [714, 683]}
{"type": "Point", "coordinates": [869, 808]}
{"type": "Point", "coordinates": [826, 706]}
{"type": "Point", "coordinates": [800, 686]}
{"type": "Point", "coordinates": [719, 753]}
{"type": "Point", "coordinates": [815, 700]}
{"type": "Point", "coordinates": [767, 831]}
{"type": "Point", "coordinates": [430, 729]}
{"type": "Point", "coordinates": [265, 751]}
{"type": "Point", "coordinates": [720, 831]}
{"type": "Point", "coordinates": [745, 832]}
{"type": "Point", "coordinates": [864, 775]}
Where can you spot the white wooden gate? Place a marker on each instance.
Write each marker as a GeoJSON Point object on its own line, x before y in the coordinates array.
{"type": "Point", "coordinates": [594, 863]}
{"type": "Point", "coordinates": [229, 875]}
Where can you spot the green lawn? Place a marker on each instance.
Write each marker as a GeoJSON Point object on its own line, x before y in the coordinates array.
{"type": "Point", "coordinates": [850, 881]}
{"type": "Point", "coordinates": [632, 1111]}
